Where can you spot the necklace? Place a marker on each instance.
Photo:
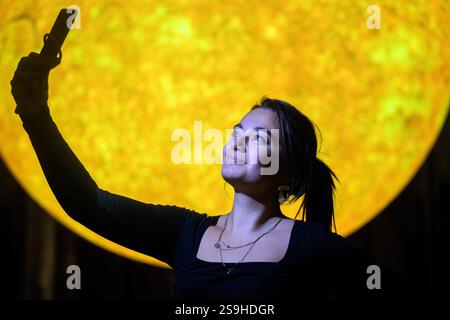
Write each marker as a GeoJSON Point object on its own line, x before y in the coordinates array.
{"type": "Point", "coordinates": [217, 245]}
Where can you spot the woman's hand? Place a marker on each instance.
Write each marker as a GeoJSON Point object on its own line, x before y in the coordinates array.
{"type": "Point", "coordinates": [29, 85]}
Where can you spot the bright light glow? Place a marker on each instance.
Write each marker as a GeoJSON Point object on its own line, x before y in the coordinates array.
{"type": "Point", "coordinates": [137, 70]}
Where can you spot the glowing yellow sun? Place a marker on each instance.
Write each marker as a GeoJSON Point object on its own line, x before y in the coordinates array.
{"type": "Point", "coordinates": [137, 70]}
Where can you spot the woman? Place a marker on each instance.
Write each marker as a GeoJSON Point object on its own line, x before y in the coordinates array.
{"type": "Point", "coordinates": [254, 251]}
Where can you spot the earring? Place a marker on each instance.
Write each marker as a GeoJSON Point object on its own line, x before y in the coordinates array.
{"type": "Point", "coordinates": [281, 197]}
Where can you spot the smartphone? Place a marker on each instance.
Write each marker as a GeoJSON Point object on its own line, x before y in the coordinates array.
{"type": "Point", "coordinates": [59, 31]}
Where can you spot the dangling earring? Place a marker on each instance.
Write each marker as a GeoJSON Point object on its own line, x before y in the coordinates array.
{"type": "Point", "coordinates": [281, 197]}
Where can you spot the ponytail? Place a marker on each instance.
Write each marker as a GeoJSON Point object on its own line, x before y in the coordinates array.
{"type": "Point", "coordinates": [317, 205]}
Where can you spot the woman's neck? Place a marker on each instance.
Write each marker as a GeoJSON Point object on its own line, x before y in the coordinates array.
{"type": "Point", "coordinates": [249, 215]}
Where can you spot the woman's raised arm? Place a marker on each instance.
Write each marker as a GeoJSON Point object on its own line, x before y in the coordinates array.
{"type": "Point", "coordinates": [149, 228]}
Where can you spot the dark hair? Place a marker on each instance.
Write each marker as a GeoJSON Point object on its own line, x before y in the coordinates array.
{"type": "Point", "coordinates": [311, 177]}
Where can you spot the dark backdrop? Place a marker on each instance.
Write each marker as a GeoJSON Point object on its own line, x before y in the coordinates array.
{"type": "Point", "coordinates": [409, 237]}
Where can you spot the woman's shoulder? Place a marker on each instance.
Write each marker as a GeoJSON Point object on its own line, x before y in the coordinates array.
{"type": "Point", "coordinates": [189, 213]}
{"type": "Point", "coordinates": [178, 215]}
{"type": "Point", "coordinates": [318, 236]}
{"type": "Point", "coordinates": [197, 218]}
{"type": "Point", "coordinates": [311, 230]}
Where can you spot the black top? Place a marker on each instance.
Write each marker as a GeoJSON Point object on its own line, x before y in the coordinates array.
{"type": "Point", "coordinates": [317, 262]}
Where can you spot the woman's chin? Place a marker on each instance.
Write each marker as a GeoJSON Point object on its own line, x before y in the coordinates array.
{"type": "Point", "coordinates": [233, 171]}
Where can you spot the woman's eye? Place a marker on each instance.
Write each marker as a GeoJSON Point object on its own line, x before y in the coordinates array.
{"type": "Point", "coordinates": [260, 138]}
{"type": "Point", "coordinates": [257, 138]}
{"type": "Point", "coordinates": [234, 134]}
{"type": "Point", "coordinates": [254, 137]}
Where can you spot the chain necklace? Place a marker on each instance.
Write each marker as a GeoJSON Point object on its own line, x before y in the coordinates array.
{"type": "Point", "coordinates": [217, 245]}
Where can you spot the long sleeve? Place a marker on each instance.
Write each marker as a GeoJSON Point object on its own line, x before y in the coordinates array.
{"type": "Point", "coordinates": [148, 228]}
{"type": "Point", "coordinates": [345, 270]}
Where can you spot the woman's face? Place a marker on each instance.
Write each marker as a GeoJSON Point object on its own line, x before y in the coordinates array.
{"type": "Point", "coordinates": [251, 149]}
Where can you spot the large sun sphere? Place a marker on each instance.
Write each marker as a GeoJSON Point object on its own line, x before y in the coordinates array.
{"type": "Point", "coordinates": [135, 71]}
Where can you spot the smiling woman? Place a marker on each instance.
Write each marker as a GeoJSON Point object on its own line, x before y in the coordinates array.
{"type": "Point", "coordinates": [254, 251]}
{"type": "Point", "coordinates": [381, 95]}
